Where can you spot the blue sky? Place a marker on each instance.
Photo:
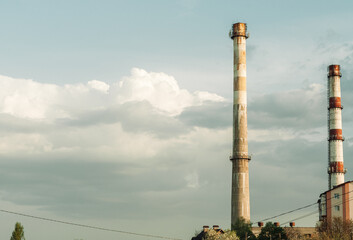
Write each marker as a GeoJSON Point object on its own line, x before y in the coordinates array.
{"type": "Point", "coordinates": [73, 41]}
{"type": "Point", "coordinates": [118, 113]}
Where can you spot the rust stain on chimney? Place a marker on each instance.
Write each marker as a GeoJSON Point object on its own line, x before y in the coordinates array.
{"type": "Point", "coordinates": [240, 158]}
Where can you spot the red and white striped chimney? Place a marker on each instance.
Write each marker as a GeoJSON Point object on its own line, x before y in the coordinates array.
{"type": "Point", "coordinates": [336, 169]}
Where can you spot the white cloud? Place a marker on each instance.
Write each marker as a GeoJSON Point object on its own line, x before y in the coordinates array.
{"type": "Point", "coordinates": [99, 85]}
{"type": "Point", "coordinates": [160, 90]}
{"type": "Point", "coordinates": [153, 132]}
{"type": "Point", "coordinates": [25, 98]}
{"type": "Point", "coordinates": [126, 121]}
{"type": "Point", "coordinates": [129, 135]}
{"type": "Point", "coordinates": [206, 96]}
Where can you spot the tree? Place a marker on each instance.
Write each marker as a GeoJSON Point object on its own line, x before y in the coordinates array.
{"type": "Point", "coordinates": [227, 235]}
{"type": "Point", "coordinates": [243, 229]}
{"type": "Point", "coordinates": [216, 235]}
{"type": "Point", "coordinates": [272, 232]}
{"type": "Point", "coordinates": [18, 233]}
{"type": "Point", "coordinates": [337, 229]}
{"type": "Point", "coordinates": [293, 233]}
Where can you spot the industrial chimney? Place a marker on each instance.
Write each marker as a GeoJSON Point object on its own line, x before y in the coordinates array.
{"type": "Point", "coordinates": [336, 169]}
{"type": "Point", "coordinates": [240, 157]}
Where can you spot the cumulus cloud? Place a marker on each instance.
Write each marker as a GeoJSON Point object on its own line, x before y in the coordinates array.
{"type": "Point", "coordinates": [25, 98]}
{"type": "Point", "coordinates": [145, 144]}
{"type": "Point", "coordinates": [161, 91]}
{"type": "Point", "coordinates": [99, 85]}
{"type": "Point", "coordinates": [138, 117]}
{"type": "Point", "coordinates": [83, 148]}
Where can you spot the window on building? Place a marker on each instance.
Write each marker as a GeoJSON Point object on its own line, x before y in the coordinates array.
{"type": "Point", "coordinates": [337, 196]}
{"type": "Point", "coordinates": [337, 208]}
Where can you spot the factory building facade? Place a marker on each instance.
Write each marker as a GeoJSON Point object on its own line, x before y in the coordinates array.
{"type": "Point", "coordinates": [337, 202]}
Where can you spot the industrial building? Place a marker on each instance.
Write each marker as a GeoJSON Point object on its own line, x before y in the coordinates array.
{"type": "Point", "coordinates": [336, 202]}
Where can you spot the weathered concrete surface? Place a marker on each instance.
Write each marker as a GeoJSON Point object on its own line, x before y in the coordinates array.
{"type": "Point", "coordinates": [240, 158]}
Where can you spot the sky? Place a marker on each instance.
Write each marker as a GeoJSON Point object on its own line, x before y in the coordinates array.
{"type": "Point", "coordinates": [118, 114]}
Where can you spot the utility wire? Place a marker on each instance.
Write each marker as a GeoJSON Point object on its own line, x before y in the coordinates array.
{"type": "Point", "coordinates": [297, 209]}
{"type": "Point", "coordinates": [163, 237]}
{"type": "Point", "coordinates": [285, 213]}
{"type": "Point", "coordinates": [301, 217]}
{"type": "Point", "coordinates": [316, 211]}
{"type": "Point", "coordinates": [87, 226]}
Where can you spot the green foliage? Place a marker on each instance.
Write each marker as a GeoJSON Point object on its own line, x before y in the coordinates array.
{"type": "Point", "coordinates": [18, 233]}
{"type": "Point", "coordinates": [243, 229]}
{"type": "Point", "coordinates": [271, 232]}
{"type": "Point", "coordinates": [227, 235]}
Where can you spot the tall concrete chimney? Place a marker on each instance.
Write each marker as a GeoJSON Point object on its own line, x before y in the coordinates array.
{"type": "Point", "coordinates": [240, 157]}
{"type": "Point", "coordinates": [336, 169]}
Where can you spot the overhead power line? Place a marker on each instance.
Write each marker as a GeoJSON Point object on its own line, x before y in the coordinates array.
{"type": "Point", "coordinates": [316, 211]}
{"type": "Point", "coordinates": [87, 226]}
{"type": "Point", "coordinates": [297, 209]}
{"type": "Point", "coordinates": [301, 217]}
{"type": "Point", "coordinates": [285, 213]}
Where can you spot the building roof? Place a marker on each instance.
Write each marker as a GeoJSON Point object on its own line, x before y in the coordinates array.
{"type": "Point", "coordinates": [340, 185]}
